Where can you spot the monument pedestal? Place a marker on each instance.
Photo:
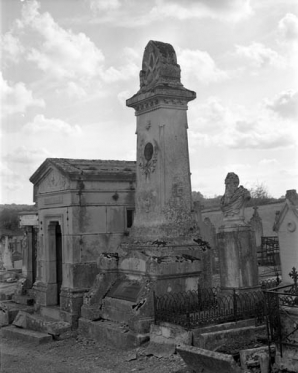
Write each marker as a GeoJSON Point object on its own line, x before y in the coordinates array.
{"type": "Point", "coordinates": [237, 258]}
{"type": "Point", "coordinates": [126, 286]}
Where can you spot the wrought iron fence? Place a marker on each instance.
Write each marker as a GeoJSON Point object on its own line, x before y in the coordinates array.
{"type": "Point", "coordinates": [209, 306]}
{"type": "Point", "coordinates": [276, 301]}
{"type": "Point", "coordinates": [269, 251]}
{"type": "Point", "coordinates": [270, 283]}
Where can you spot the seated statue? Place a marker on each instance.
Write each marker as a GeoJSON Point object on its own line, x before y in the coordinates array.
{"type": "Point", "coordinates": [234, 200]}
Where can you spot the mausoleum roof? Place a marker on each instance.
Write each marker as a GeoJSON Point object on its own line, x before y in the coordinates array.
{"type": "Point", "coordinates": [87, 169]}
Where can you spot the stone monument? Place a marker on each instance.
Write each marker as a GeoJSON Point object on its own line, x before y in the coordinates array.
{"type": "Point", "coordinates": [164, 251]}
{"type": "Point", "coordinates": [7, 262]}
{"type": "Point", "coordinates": [257, 226]}
{"type": "Point", "coordinates": [236, 240]}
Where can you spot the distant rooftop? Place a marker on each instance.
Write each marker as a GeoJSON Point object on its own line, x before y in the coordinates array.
{"type": "Point", "coordinates": [86, 168]}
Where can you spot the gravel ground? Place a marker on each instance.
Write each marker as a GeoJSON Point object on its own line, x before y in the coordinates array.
{"type": "Point", "coordinates": [77, 354]}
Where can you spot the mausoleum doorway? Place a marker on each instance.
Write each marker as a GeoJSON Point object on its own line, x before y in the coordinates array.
{"type": "Point", "coordinates": [55, 263]}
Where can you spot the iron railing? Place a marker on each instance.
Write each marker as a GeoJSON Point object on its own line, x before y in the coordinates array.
{"type": "Point", "coordinates": [276, 302]}
{"type": "Point", "coordinates": [269, 251]}
{"type": "Point", "coordinates": [209, 306]}
{"type": "Point", "coordinates": [270, 283]}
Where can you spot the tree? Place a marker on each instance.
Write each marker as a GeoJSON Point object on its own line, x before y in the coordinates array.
{"type": "Point", "coordinates": [9, 219]}
{"type": "Point", "coordinates": [260, 195]}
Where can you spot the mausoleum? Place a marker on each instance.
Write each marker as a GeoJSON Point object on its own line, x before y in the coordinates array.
{"type": "Point", "coordinates": [84, 208]}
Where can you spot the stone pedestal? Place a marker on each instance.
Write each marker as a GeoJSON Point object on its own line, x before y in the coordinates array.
{"type": "Point", "coordinates": [238, 258]}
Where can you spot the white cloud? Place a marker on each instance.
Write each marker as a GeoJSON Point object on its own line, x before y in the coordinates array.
{"type": "Point", "coordinates": [123, 96]}
{"type": "Point", "coordinates": [260, 56]}
{"type": "Point", "coordinates": [128, 70]}
{"type": "Point", "coordinates": [24, 155]}
{"type": "Point", "coordinates": [236, 127]}
{"type": "Point", "coordinates": [288, 27]}
{"type": "Point", "coordinates": [285, 104]}
{"type": "Point", "coordinates": [42, 124]}
{"type": "Point", "coordinates": [12, 47]}
{"type": "Point", "coordinates": [72, 90]}
{"type": "Point", "coordinates": [58, 52]}
{"type": "Point", "coordinates": [103, 5]}
{"type": "Point", "coordinates": [17, 98]}
{"type": "Point", "coordinates": [224, 10]}
{"type": "Point", "coordinates": [268, 163]}
{"type": "Point", "coordinates": [199, 64]}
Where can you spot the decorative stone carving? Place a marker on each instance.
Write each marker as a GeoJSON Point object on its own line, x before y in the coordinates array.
{"type": "Point", "coordinates": [234, 200]}
{"type": "Point", "coordinates": [159, 66]}
{"type": "Point", "coordinates": [148, 159]}
{"type": "Point", "coordinates": [52, 182]}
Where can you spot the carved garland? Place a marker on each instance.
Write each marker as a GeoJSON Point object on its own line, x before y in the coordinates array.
{"type": "Point", "coordinates": [148, 160]}
{"type": "Point", "coordinates": [148, 167]}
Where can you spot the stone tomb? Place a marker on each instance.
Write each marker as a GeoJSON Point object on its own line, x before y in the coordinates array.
{"type": "Point", "coordinates": [84, 209]}
{"type": "Point", "coordinates": [164, 251]}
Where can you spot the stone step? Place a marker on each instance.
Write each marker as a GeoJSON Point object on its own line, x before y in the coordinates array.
{"type": "Point", "coordinates": [9, 310]}
{"type": "Point", "coordinates": [23, 299]}
{"type": "Point", "coordinates": [112, 333]}
{"type": "Point", "coordinates": [41, 324]}
{"type": "Point", "coordinates": [32, 336]}
{"type": "Point", "coordinates": [52, 312]}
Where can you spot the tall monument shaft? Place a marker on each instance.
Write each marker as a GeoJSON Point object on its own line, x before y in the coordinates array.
{"type": "Point", "coordinates": [163, 195]}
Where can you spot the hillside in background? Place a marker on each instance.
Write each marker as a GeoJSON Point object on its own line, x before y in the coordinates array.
{"type": "Point", "coordinates": [9, 218]}
{"type": "Point", "coordinates": [20, 208]}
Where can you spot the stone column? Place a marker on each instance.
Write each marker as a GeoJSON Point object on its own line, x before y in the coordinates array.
{"type": "Point", "coordinates": [46, 286]}
{"type": "Point", "coordinates": [27, 244]}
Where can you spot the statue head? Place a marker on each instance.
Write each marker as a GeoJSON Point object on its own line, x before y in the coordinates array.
{"type": "Point", "coordinates": [232, 183]}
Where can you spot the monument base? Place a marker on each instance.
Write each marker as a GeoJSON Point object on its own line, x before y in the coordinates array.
{"type": "Point", "coordinates": [124, 292]}
{"type": "Point", "coordinates": [237, 257]}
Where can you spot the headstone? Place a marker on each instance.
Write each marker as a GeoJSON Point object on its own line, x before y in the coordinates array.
{"type": "Point", "coordinates": [257, 226]}
{"type": "Point", "coordinates": [7, 263]}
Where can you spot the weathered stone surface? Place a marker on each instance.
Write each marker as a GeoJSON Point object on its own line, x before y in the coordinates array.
{"type": "Point", "coordinates": [255, 357]}
{"type": "Point", "coordinates": [38, 323]}
{"type": "Point", "coordinates": [115, 334]}
{"type": "Point", "coordinates": [160, 350]}
{"type": "Point", "coordinates": [238, 257]}
{"type": "Point", "coordinates": [233, 201]}
{"type": "Point", "coordinates": [165, 337]}
{"type": "Point", "coordinates": [26, 335]}
{"type": "Point", "coordinates": [214, 339]}
{"type": "Point", "coordinates": [204, 361]}
{"type": "Point", "coordinates": [257, 226]}
{"type": "Point", "coordinates": [9, 311]}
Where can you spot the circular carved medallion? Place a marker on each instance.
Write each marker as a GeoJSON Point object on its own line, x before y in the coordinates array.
{"type": "Point", "coordinates": [148, 151]}
{"type": "Point", "coordinates": [291, 226]}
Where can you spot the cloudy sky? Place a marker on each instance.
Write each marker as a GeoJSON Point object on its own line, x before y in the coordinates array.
{"type": "Point", "coordinates": [69, 65]}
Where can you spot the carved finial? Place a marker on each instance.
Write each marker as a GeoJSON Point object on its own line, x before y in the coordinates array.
{"type": "Point", "coordinates": [159, 66]}
{"type": "Point", "coordinates": [292, 196]}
